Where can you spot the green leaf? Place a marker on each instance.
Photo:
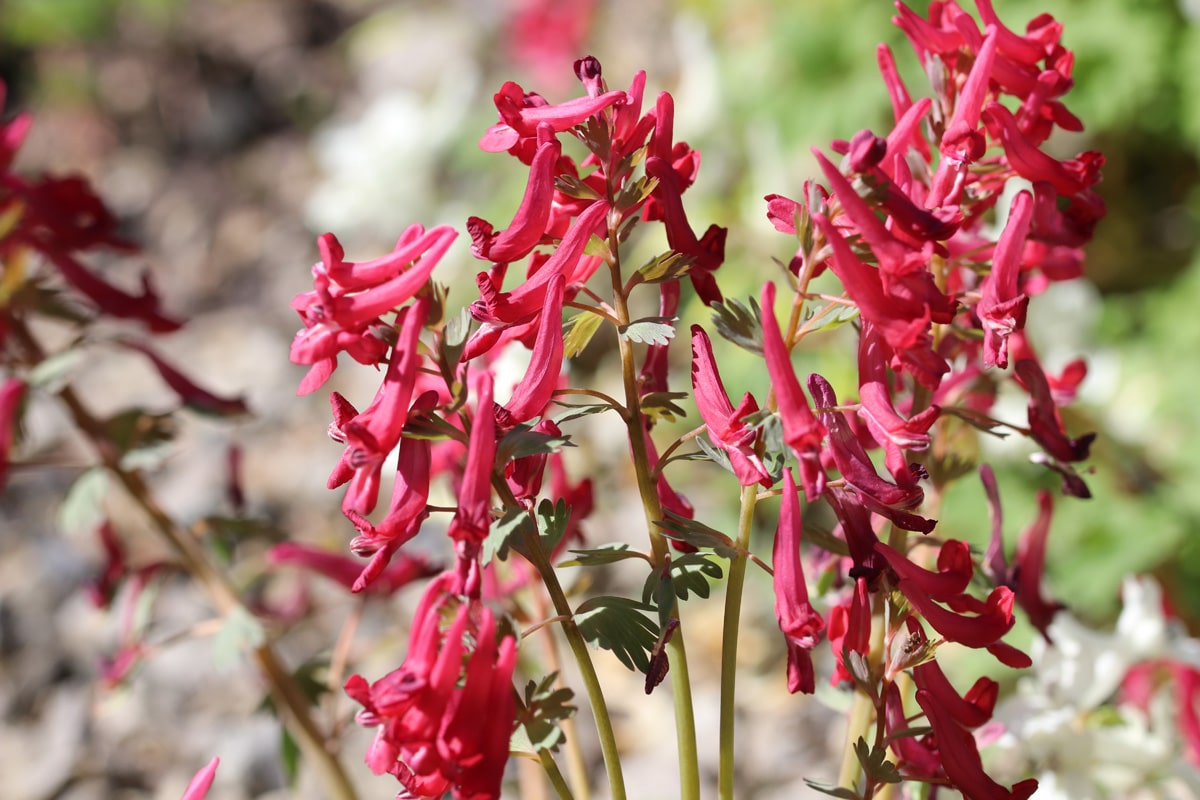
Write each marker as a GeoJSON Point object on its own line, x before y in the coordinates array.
{"type": "Point", "coordinates": [619, 625]}
{"type": "Point", "coordinates": [575, 188]}
{"type": "Point", "coordinates": [651, 330]}
{"type": "Point", "coordinates": [289, 757]}
{"type": "Point", "coordinates": [577, 411]}
{"type": "Point", "coordinates": [694, 572]}
{"type": "Point", "coordinates": [739, 323]}
{"type": "Point", "coordinates": [833, 319]}
{"type": "Point", "coordinates": [697, 534]}
{"type": "Point", "coordinates": [668, 266]}
{"type": "Point", "coordinates": [833, 791]}
{"type": "Point", "coordinates": [539, 712]}
{"type": "Point", "coordinates": [82, 510]}
{"type": "Point", "coordinates": [607, 554]}
{"type": "Point", "coordinates": [874, 762]}
{"type": "Point", "coordinates": [501, 533]}
{"type": "Point", "coordinates": [143, 439]}
{"type": "Point", "coordinates": [598, 247]}
{"type": "Point", "coordinates": [240, 631]}
{"type": "Point", "coordinates": [634, 193]}
{"type": "Point", "coordinates": [578, 332]}
{"type": "Point", "coordinates": [552, 520]}
{"type": "Point", "coordinates": [659, 405]}
{"type": "Point", "coordinates": [523, 441]}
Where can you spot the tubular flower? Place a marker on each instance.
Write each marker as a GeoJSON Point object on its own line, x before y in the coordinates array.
{"type": "Point", "coordinates": [372, 435]}
{"type": "Point", "coordinates": [531, 219]}
{"type": "Point", "coordinates": [344, 308]}
{"type": "Point", "coordinates": [799, 621]}
{"type": "Point", "coordinates": [201, 782]}
{"type": "Point", "coordinates": [850, 629]}
{"type": "Point", "coordinates": [726, 425]}
{"type": "Point", "coordinates": [11, 393]}
{"type": "Point", "coordinates": [521, 114]}
{"type": "Point", "coordinates": [442, 726]}
{"type": "Point", "coordinates": [801, 429]}
{"type": "Point", "coordinates": [533, 393]}
{"type": "Point", "coordinates": [1001, 308]}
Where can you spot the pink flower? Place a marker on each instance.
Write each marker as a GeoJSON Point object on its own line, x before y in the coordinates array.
{"type": "Point", "coordinates": [1001, 308]}
{"type": "Point", "coordinates": [801, 429]}
{"type": "Point", "coordinates": [198, 788]}
{"type": "Point", "coordinates": [533, 215]}
{"type": "Point", "coordinates": [799, 621]}
{"type": "Point", "coordinates": [726, 425]}
{"type": "Point", "coordinates": [443, 725]}
{"type": "Point", "coordinates": [11, 393]}
{"type": "Point", "coordinates": [372, 435]}
{"type": "Point", "coordinates": [533, 393]}
{"type": "Point", "coordinates": [348, 299]}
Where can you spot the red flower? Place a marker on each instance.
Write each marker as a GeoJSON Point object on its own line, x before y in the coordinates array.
{"type": "Point", "coordinates": [1001, 308]}
{"type": "Point", "coordinates": [349, 572]}
{"type": "Point", "coordinates": [959, 756]}
{"type": "Point", "coordinates": [850, 629]}
{"type": "Point", "coordinates": [11, 393]}
{"type": "Point", "coordinates": [197, 788]}
{"type": "Point", "coordinates": [726, 425]}
{"type": "Point", "coordinates": [799, 621]}
{"type": "Point", "coordinates": [533, 215]}
{"type": "Point", "coordinates": [348, 299]}
{"type": "Point", "coordinates": [801, 429]}
{"type": "Point", "coordinates": [443, 727]}
{"type": "Point", "coordinates": [521, 114]}
{"type": "Point", "coordinates": [533, 393]}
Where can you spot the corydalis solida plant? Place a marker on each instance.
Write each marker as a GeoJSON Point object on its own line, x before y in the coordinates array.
{"type": "Point", "coordinates": [939, 233]}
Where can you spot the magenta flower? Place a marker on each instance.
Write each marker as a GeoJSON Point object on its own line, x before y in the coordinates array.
{"type": "Point", "coordinates": [348, 299]}
{"type": "Point", "coordinates": [443, 725]}
{"type": "Point", "coordinates": [799, 621]}
{"type": "Point", "coordinates": [530, 222]}
{"type": "Point", "coordinates": [801, 429]}
{"type": "Point", "coordinates": [726, 425]}
{"type": "Point", "coordinates": [372, 435]}
{"type": "Point", "coordinates": [1001, 308]}
{"type": "Point", "coordinates": [527, 300]}
{"type": "Point", "coordinates": [11, 393]}
{"type": "Point", "coordinates": [521, 114]}
{"type": "Point", "coordinates": [197, 788]}
{"type": "Point", "coordinates": [850, 629]}
{"type": "Point", "coordinates": [472, 520]}
{"type": "Point", "coordinates": [533, 393]}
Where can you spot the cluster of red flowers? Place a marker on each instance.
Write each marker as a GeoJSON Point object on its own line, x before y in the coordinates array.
{"type": "Point", "coordinates": [908, 224]}
{"type": "Point", "coordinates": [376, 311]}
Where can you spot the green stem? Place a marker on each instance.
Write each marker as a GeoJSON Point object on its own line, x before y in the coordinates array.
{"type": "Point", "coordinates": [729, 642]}
{"type": "Point", "coordinates": [681, 689]}
{"type": "Point", "coordinates": [587, 671]}
{"type": "Point", "coordinates": [556, 777]}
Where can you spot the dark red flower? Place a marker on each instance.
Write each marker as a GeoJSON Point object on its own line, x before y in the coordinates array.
{"type": "Point", "coordinates": [799, 621]}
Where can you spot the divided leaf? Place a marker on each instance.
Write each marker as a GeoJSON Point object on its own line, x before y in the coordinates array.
{"type": "Point", "coordinates": [739, 323]}
{"type": "Point", "coordinates": [668, 266]}
{"type": "Point", "coordinates": [650, 330]}
{"type": "Point", "coordinates": [606, 554]}
{"type": "Point", "coordinates": [523, 441]}
{"type": "Point", "coordinates": [659, 405]}
{"type": "Point", "coordinates": [578, 332]}
{"type": "Point", "coordinates": [697, 534]}
{"type": "Point", "coordinates": [618, 624]}
{"type": "Point", "coordinates": [539, 710]}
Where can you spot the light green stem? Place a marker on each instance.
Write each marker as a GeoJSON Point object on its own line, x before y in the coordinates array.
{"type": "Point", "coordinates": [729, 642]}
{"type": "Point", "coordinates": [556, 777]}
{"type": "Point", "coordinates": [587, 671]}
{"type": "Point", "coordinates": [681, 688]}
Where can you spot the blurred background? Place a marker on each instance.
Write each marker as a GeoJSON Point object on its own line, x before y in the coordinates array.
{"type": "Point", "coordinates": [228, 134]}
